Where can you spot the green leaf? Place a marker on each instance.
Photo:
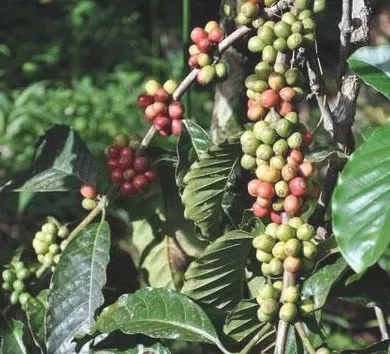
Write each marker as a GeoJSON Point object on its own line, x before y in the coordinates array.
{"type": "Point", "coordinates": [12, 339]}
{"type": "Point", "coordinates": [35, 312]}
{"type": "Point", "coordinates": [76, 287]}
{"type": "Point", "coordinates": [319, 285]}
{"type": "Point", "coordinates": [216, 279]}
{"type": "Point", "coordinates": [360, 208]}
{"type": "Point", "coordinates": [325, 154]}
{"type": "Point", "coordinates": [313, 332]}
{"type": "Point", "coordinates": [207, 183]}
{"type": "Point", "coordinates": [62, 162]}
{"type": "Point", "coordinates": [293, 342]}
{"type": "Point", "coordinates": [159, 313]}
{"type": "Point", "coordinates": [140, 348]}
{"type": "Point", "coordinates": [384, 261]}
{"type": "Point", "coordinates": [372, 64]}
{"type": "Point", "coordinates": [242, 323]}
{"type": "Point", "coordinates": [378, 348]}
{"type": "Point", "coordinates": [193, 142]}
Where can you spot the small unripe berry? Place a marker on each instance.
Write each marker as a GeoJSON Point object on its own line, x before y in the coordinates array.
{"type": "Point", "coordinates": [295, 140]}
{"type": "Point", "coordinates": [39, 247]}
{"type": "Point", "coordinates": [295, 223]}
{"type": "Point", "coordinates": [269, 54]}
{"type": "Point", "coordinates": [54, 248]}
{"type": "Point", "coordinates": [266, 35]}
{"type": "Point", "coordinates": [269, 306]}
{"type": "Point", "coordinates": [89, 204]}
{"type": "Point", "coordinates": [282, 29]}
{"type": "Point", "coordinates": [140, 182]}
{"type": "Point", "coordinates": [88, 191]}
{"type": "Point", "coordinates": [319, 6]}
{"type": "Point", "coordinates": [278, 251]}
{"type": "Point", "coordinates": [309, 250]}
{"type": "Point", "coordinates": [264, 152]}
{"type": "Point", "coordinates": [295, 41]}
{"type": "Point", "coordinates": [63, 231]}
{"type": "Point", "coordinates": [271, 229]}
{"type": "Point", "coordinates": [323, 351]}
{"type": "Point", "coordinates": [23, 298]}
{"type": "Point", "coordinates": [256, 45]}
{"type": "Point", "coordinates": [170, 86]}
{"type": "Point", "coordinates": [206, 75]}
{"type": "Point", "coordinates": [249, 9]}
{"type": "Point", "coordinates": [293, 247]}
{"type": "Point", "coordinates": [277, 161]}
{"type": "Point", "coordinates": [284, 128]}
{"type": "Point", "coordinates": [288, 312]}
{"type": "Point", "coordinates": [221, 70]}
{"type": "Point", "coordinates": [204, 59]}
{"type": "Point", "coordinates": [292, 264]}
{"type": "Point", "coordinates": [282, 190]}
{"type": "Point", "coordinates": [276, 267]}
{"type": "Point", "coordinates": [14, 297]}
{"type": "Point", "coordinates": [293, 77]}
{"type": "Point", "coordinates": [8, 275]}
{"type": "Point", "coordinates": [292, 117]}
{"type": "Point", "coordinates": [262, 317]}
{"type": "Point", "coordinates": [297, 27]}
{"type": "Point", "coordinates": [285, 232]}
{"type": "Point", "coordinates": [306, 232]}
{"type": "Point", "coordinates": [264, 242]}
{"type": "Point", "coordinates": [210, 26]}
{"type": "Point", "coordinates": [268, 174]}
{"type": "Point", "coordinates": [49, 227]}
{"type": "Point", "coordinates": [268, 292]}
{"type": "Point", "coordinates": [263, 70]}
{"type": "Point", "coordinates": [280, 45]}
{"type": "Point", "coordinates": [276, 81]}
{"type": "Point", "coordinates": [281, 67]}
{"type": "Point", "coordinates": [278, 205]}
{"type": "Point", "coordinates": [263, 257]}
{"type": "Point", "coordinates": [198, 34]}
{"type": "Point", "coordinates": [151, 87]}
{"type": "Point", "coordinates": [18, 285]}
{"type": "Point", "coordinates": [259, 211]}
{"type": "Point", "coordinates": [289, 18]}
{"type": "Point", "coordinates": [248, 162]}
{"type": "Point", "coordinates": [292, 204]}
{"type": "Point", "coordinates": [280, 147]}
{"type": "Point", "coordinates": [249, 143]}
{"type": "Point", "coordinates": [309, 25]}
{"type": "Point", "coordinates": [269, 98]}
{"type": "Point", "coordinates": [290, 294]}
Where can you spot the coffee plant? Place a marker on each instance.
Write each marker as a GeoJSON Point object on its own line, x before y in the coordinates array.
{"type": "Point", "coordinates": [256, 236]}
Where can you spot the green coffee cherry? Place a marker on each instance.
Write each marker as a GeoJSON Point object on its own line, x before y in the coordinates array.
{"type": "Point", "coordinates": [278, 285]}
{"type": "Point", "coordinates": [242, 20]}
{"type": "Point", "coordinates": [47, 259]}
{"type": "Point", "coordinates": [22, 273]}
{"type": "Point", "coordinates": [266, 35]}
{"type": "Point", "coordinates": [295, 41]}
{"type": "Point", "coordinates": [18, 285]}
{"type": "Point", "coordinates": [288, 312]}
{"type": "Point", "coordinates": [299, 93]}
{"type": "Point", "coordinates": [278, 251]}
{"type": "Point", "coordinates": [293, 247]}
{"type": "Point", "coordinates": [309, 250]}
{"type": "Point", "coordinates": [263, 257]}
{"type": "Point", "coordinates": [263, 70]}
{"type": "Point", "coordinates": [270, 24]}
{"type": "Point", "coordinates": [264, 242]}
{"type": "Point", "coordinates": [292, 117]}
{"type": "Point", "coordinates": [14, 297]}
{"type": "Point", "coordinates": [280, 45]}
{"type": "Point", "coordinates": [289, 18]}
{"type": "Point", "coordinates": [63, 231]}
{"type": "Point", "coordinates": [285, 232]}
{"type": "Point", "coordinates": [54, 248]}
{"type": "Point", "coordinates": [306, 307]}
{"type": "Point", "coordinates": [18, 265]}
{"type": "Point", "coordinates": [258, 23]}
{"type": "Point", "coordinates": [40, 247]}
{"type": "Point", "coordinates": [302, 4]}
{"type": "Point", "coordinates": [306, 232]}
{"type": "Point", "coordinates": [249, 10]}
{"type": "Point", "coordinates": [50, 228]}
{"type": "Point", "coordinates": [269, 307]}
{"type": "Point", "coordinates": [278, 162]}
{"type": "Point", "coordinates": [265, 269]}
{"type": "Point", "coordinates": [248, 162]}
{"type": "Point", "coordinates": [323, 351]}
{"type": "Point", "coordinates": [8, 275]}
{"type": "Point", "coordinates": [50, 237]}
{"type": "Point", "coordinates": [282, 189]}
{"type": "Point", "coordinates": [276, 267]}
{"type": "Point", "coordinates": [249, 143]}
{"type": "Point", "coordinates": [281, 67]}
{"type": "Point", "coordinates": [297, 27]}
{"type": "Point", "coordinates": [291, 294]}
{"type": "Point", "coordinates": [293, 77]}
{"type": "Point", "coordinates": [57, 258]}
{"type": "Point", "coordinates": [6, 286]}
{"type": "Point", "coordinates": [263, 317]}
{"type": "Point", "coordinates": [309, 39]}
{"type": "Point", "coordinates": [221, 70]}
{"type": "Point", "coordinates": [276, 81]}
{"type": "Point", "coordinates": [23, 298]}
{"type": "Point", "coordinates": [295, 223]}
{"type": "Point", "coordinates": [271, 229]}
{"type": "Point", "coordinates": [280, 147]}
{"type": "Point", "coordinates": [264, 152]}
{"type": "Point", "coordinates": [309, 25]}
{"type": "Point", "coordinates": [319, 6]}
{"type": "Point", "coordinates": [278, 205]}
{"type": "Point", "coordinates": [294, 141]}
{"type": "Point", "coordinates": [40, 235]}
{"type": "Point", "coordinates": [267, 135]}
{"type": "Point", "coordinates": [260, 162]}
{"type": "Point", "coordinates": [282, 29]}
{"type": "Point", "coordinates": [305, 14]}
{"type": "Point", "coordinates": [284, 128]}
{"type": "Point", "coordinates": [269, 3]}
{"type": "Point", "coordinates": [268, 292]}
{"type": "Point", "coordinates": [256, 45]}
{"type": "Point", "coordinates": [269, 54]}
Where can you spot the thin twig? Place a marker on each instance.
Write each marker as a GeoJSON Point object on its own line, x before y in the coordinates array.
{"type": "Point", "coordinates": [305, 340]}
{"type": "Point", "coordinates": [346, 29]}
{"type": "Point", "coordinates": [280, 6]}
{"type": "Point", "coordinates": [253, 342]}
{"type": "Point", "coordinates": [382, 322]}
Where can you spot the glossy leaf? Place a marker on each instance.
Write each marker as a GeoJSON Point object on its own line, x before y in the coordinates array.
{"type": "Point", "coordinates": [216, 278]}
{"type": "Point", "coordinates": [62, 162]}
{"type": "Point", "coordinates": [325, 154]}
{"type": "Point", "coordinates": [207, 184]}
{"type": "Point", "coordinates": [12, 338]}
{"type": "Point", "coordinates": [36, 312]}
{"type": "Point", "coordinates": [378, 348]}
{"type": "Point", "coordinates": [159, 313]}
{"type": "Point", "coordinates": [242, 323]}
{"type": "Point", "coordinates": [76, 287]}
{"type": "Point", "coordinates": [193, 142]}
{"type": "Point", "coordinates": [372, 64]}
{"type": "Point", "coordinates": [140, 348]}
{"type": "Point", "coordinates": [319, 285]}
{"type": "Point", "coordinates": [360, 208]}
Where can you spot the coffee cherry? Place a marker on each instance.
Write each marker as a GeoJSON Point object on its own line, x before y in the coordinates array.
{"type": "Point", "coordinates": [221, 70]}
{"type": "Point", "coordinates": [268, 174]}
{"type": "Point", "coordinates": [249, 143]}
{"type": "Point", "coordinates": [259, 211]}
{"type": "Point", "coordinates": [170, 86]}
{"type": "Point", "coordinates": [140, 182]}
{"type": "Point", "coordinates": [305, 232]}
{"type": "Point", "coordinates": [297, 27]}
{"type": "Point", "coordinates": [268, 292]}
{"type": "Point", "coordinates": [193, 61]}
{"type": "Point", "coordinates": [144, 101]}
{"type": "Point", "coordinates": [18, 285]}
{"type": "Point", "coordinates": [290, 294]}
{"type": "Point", "coordinates": [258, 23]}
{"type": "Point", "coordinates": [269, 306]}
{"type": "Point", "coordinates": [297, 156]}
{"type": "Point", "coordinates": [294, 41]}
{"type": "Point", "coordinates": [306, 307]}
{"type": "Point", "coordinates": [256, 45]}
{"type": "Point", "coordinates": [282, 29]}
{"type": "Point", "coordinates": [292, 117]}
{"type": "Point", "coordinates": [263, 257]}
{"type": "Point", "coordinates": [284, 128]}
{"type": "Point", "coordinates": [264, 203]}
{"type": "Point", "coordinates": [293, 77]}
{"type": "Point", "coordinates": [292, 204]}
{"type": "Point", "coordinates": [265, 269]}
{"type": "Point", "coordinates": [276, 81]}
{"type": "Point", "coordinates": [307, 266]}
{"type": "Point", "coordinates": [248, 162]}
{"type": "Point", "coordinates": [263, 317]}
{"type": "Point", "coordinates": [276, 217]}
{"type": "Point", "coordinates": [264, 152]}
{"type": "Point", "coordinates": [292, 264]}
{"type": "Point", "coordinates": [193, 51]}
{"type": "Point", "coordinates": [302, 4]}
{"type": "Point", "coordinates": [281, 67]}
{"type": "Point", "coordinates": [23, 298]}
{"type": "Point", "coordinates": [206, 75]}
{"type": "Point", "coordinates": [127, 188]}
{"type": "Point", "coordinates": [205, 45]}
{"type": "Point", "coordinates": [319, 6]}
{"type": "Point", "coordinates": [198, 34]}
{"type": "Point", "coordinates": [140, 164]}
{"type": "Point", "coordinates": [63, 231]}
{"type": "Point", "coordinates": [295, 223]}
{"type": "Point", "coordinates": [89, 204]}
{"type": "Point", "coordinates": [161, 96]}
{"type": "Point", "coordinates": [285, 232]}
{"type": "Point", "coordinates": [114, 151]}
{"type": "Point", "coordinates": [280, 147]}
{"type": "Point", "coordinates": [14, 297]}
{"type": "Point", "coordinates": [270, 53]}
{"type": "Point", "coordinates": [39, 247]}
{"type": "Point", "coordinates": [305, 14]}
{"type": "Point", "coordinates": [276, 267]}
{"type": "Point", "coordinates": [253, 187]}
{"type": "Point", "coordinates": [282, 190]}
{"type": "Point", "coordinates": [116, 176]}
{"type": "Point", "coordinates": [249, 9]}
{"type": "Point", "coordinates": [265, 243]}
{"type": "Point", "coordinates": [266, 35]}
{"type": "Point", "coordinates": [278, 251]}
{"type": "Point", "coordinates": [151, 87]}
{"type": "Point", "coordinates": [306, 169]}
{"type": "Point", "coordinates": [88, 191]}
{"type": "Point", "coordinates": [288, 312]}
{"type": "Point", "coordinates": [292, 247]}
{"type": "Point", "coordinates": [277, 161]}
{"type": "Point", "coordinates": [278, 205]}
{"type": "Point", "coordinates": [289, 172]}
{"type": "Point", "coordinates": [289, 18]}
{"type": "Point", "coordinates": [295, 140]}
{"type": "Point", "coordinates": [309, 250]}
{"type": "Point", "coordinates": [269, 3]}
{"type": "Point", "coordinates": [323, 351]}
{"type": "Point", "coordinates": [269, 98]}
{"type": "Point", "coordinates": [256, 113]}
{"type": "Point", "coordinates": [287, 94]}
{"type": "Point", "coordinates": [204, 59]}
{"type": "Point", "coordinates": [263, 70]}
{"type": "Point", "coordinates": [271, 229]}
{"type": "Point", "coordinates": [309, 25]}
{"type": "Point", "coordinates": [280, 45]}
{"type": "Point", "coordinates": [216, 35]}
{"type": "Point", "coordinates": [176, 126]}
{"type": "Point", "coordinates": [151, 175]}
{"type": "Point", "coordinates": [298, 186]}
{"type": "Point", "coordinates": [161, 123]}
{"type": "Point", "coordinates": [210, 26]}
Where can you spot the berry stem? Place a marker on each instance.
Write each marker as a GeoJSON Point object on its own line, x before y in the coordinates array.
{"type": "Point", "coordinates": [305, 340]}
{"type": "Point", "coordinates": [253, 342]}
{"type": "Point", "coordinates": [382, 322]}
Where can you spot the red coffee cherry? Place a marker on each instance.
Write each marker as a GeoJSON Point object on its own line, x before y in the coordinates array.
{"type": "Point", "coordinates": [276, 217]}
{"type": "Point", "coordinates": [264, 203]}
{"type": "Point", "coordinates": [88, 191]}
{"type": "Point", "coordinates": [161, 95]}
{"type": "Point", "coordinates": [198, 34]}
{"type": "Point", "coordinates": [161, 123]}
{"type": "Point", "coordinates": [112, 164]}
{"type": "Point", "coordinates": [292, 204]}
{"type": "Point", "coordinates": [216, 35]}
{"type": "Point", "coordinates": [253, 187]}
{"type": "Point", "coordinates": [259, 211]}
{"type": "Point", "coordinates": [308, 138]}
{"type": "Point", "coordinates": [140, 182]}
{"type": "Point", "coordinates": [150, 113]}
{"type": "Point", "coordinates": [124, 162]}
{"type": "Point", "coordinates": [306, 169]}
{"type": "Point", "coordinates": [151, 175]}
{"type": "Point", "coordinates": [287, 94]}
{"type": "Point", "coordinates": [117, 176]}
{"type": "Point", "coordinates": [175, 110]}
{"type": "Point", "coordinates": [193, 61]}
{"type": "Point", "coordinates": [144, 101]}
{"type": "Point", "coordinates": [114, 151]}
{"type": "Point", "coordinates": [269, 98]}
{"type": "Point", "coordinates": [128, 174]}
{"type": "Point", "coordinates": [140, 164]}
{"type": "Point", "coordinates": [205, 45]}
{"type": "Point", "coordinates": [298, 186]}
{"type": "Point", "coordinates": [257, 112]}
{"type": "Point", "coordinates": [176, 126]}
{"type": "Point", "coordinates": [266, 190]}
{"type": "Point", "coordinates": [127, 189]}
{"type": "Point", "coordinates": [285, 108]}
{"type": "Point", "coordinates": [160, 108]}
{"type": "Point", "coordinates": [297, 156]}
{"type": "Point", "coordinates": [127, 152]}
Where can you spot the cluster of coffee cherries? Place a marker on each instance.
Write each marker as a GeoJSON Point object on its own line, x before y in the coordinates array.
{"type": "Point", "coordinates": [49, 241]}
{"type": "Point", "coordinates": [161, 110]}
{"type": "Point", "coordinates": [14, 277]}
{"type": "Point", "coordinates": [130, 172]}
{"type": "Point", "coordinates": [290, 247]}
{"type": "Point", "coordinates": [201, 56]}
{"type": "Point", "coordinates": [273, 150]}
